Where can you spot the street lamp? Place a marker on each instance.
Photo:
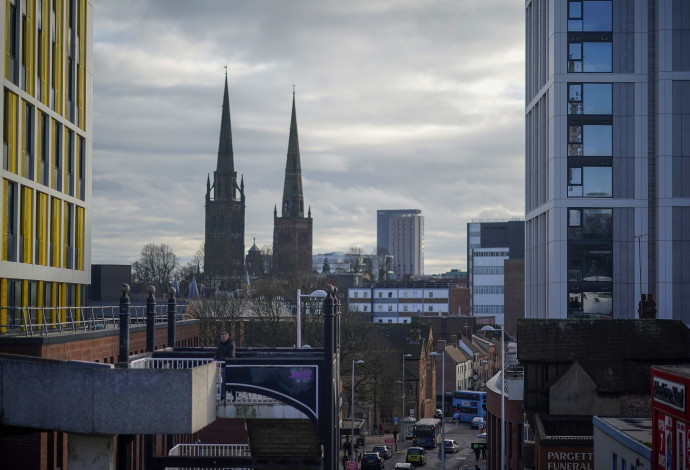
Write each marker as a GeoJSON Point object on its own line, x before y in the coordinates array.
{"type": "Point", "coordinates": [442, 448]}
{"type": "Point", "coordinates": [402, 416]}
{"type": "Point", "coordinates": [503, 410]}
{"type": "Point", "coordinates": [352, 411]}
{"type": "Point", "coordinates": [319, 294]}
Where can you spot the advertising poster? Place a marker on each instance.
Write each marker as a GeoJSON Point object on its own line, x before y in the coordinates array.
{"type": "Point", "coordinates": [661, 442]}
{"type": "Point", "coordinates": [669, 443]}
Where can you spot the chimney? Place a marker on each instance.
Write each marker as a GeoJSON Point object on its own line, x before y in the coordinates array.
{"type": "Point", "coordinates": [647, 307]}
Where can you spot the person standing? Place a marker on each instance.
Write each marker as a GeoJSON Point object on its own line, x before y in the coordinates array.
{"type": "Point", "coordinates": [225, 350]}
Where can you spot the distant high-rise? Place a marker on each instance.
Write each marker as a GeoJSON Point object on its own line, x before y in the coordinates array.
{"type": "Point", "coordinates": [224, 240]}
{"type": "Point", "coordinates": [45, 248]}
{"type": "Point", "coordinates": [489, 245]}
{"type": "Point", "coordinates": [400, 233]}
{"type": "Point", "coordinates": [292, 232]}
{"type": "Point", "coordinates": [607, 120]}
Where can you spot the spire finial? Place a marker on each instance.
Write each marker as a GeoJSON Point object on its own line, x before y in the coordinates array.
{"type": "Point", "coordinates": [226, 71]}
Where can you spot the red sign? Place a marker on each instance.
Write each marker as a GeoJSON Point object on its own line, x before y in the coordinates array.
{"type": "Point", "coordinates": [351, 465]}
{"type": "Point", "coordinates": [388, 441]}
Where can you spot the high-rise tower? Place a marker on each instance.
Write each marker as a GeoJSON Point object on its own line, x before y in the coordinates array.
{"type": "Point", "coordinates": [45, 248]}
{"type": "Point", "coordinates": [224, 241]}
{"type": "Point", "coordinates": [400, 233]}
{"type": "Point", "coordinates": [607, 120]}
{"type": "Point", "coordinates": [292, 232]}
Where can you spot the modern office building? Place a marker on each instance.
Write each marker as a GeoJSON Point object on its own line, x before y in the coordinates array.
{"type": "Point", "coordinates": [400, 233]}
{"type": "Point", "coordinates": [490, 243]}
{"type": "Point", "coordinates": [607, 158]}
{"type": "Point", "coordinates": [47, 72]}
{"type": "Point", "coordinates": [292, 231]}
{"type": "Point", "coordinates": [225, 209]}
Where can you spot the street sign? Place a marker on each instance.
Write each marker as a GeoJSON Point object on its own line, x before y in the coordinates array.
{"type": "Point", "coordinates": [395, 420]}
{"type": "Point", "coordinates": [388, 441]}
{"type": "Point", "coordinates": [351, 465]}
{"type": "Point", "coordinates": [479, 445]}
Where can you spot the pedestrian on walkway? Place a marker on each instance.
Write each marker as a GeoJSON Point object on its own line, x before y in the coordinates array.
{"type": "Point", "coordinates": [380, 429]}
{"type": "Point", "coordinates": [484, 453]}
{"type": "Point", "coordinates": [476, 453]}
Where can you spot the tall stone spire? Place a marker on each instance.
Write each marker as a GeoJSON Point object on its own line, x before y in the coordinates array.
{"type": "Point", "coordinates": [225, 176]}
{"type": "Point", "coordinates": [293, 201]}
{"type": "Point", "coordinates": [292, 232]}
{"type": "Point", "coordinates": [224, 238]}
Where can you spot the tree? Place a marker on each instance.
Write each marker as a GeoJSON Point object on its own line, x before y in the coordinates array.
{"type": "Point", "coordinates": [155, 266]}
{"type": "Point", "coordinates": [188, 271]}
{"type": "Point", "coordinates": [354, 259]}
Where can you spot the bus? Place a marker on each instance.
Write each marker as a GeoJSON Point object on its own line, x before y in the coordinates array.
{"type": "Point", "coordinates": [469, 404]}
{"type": "Point", "coordinates": [427, 433]}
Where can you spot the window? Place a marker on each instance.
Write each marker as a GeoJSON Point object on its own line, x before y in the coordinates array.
{"type": "Point", "coordinates": [390, 308]}
{"type": "Point", "coordinates": [590, 263]}
{"type": "Point", "coordinates": [589, 140]}
{"type": "Point", "coordinates": [590, 98]}
{"type": "Point", "coordinates": [590, 181]}
{"type": "Point", "coordinates": [593, 15]}
{"type": "Point", "coordinates": [366, 294]}
{"type": "Point", "coordinates": [431, 294]}
{"type": "Point", "coordinates": [390, 294]}
{"type": "Point", "coordinates": [355, 294]}
{"type": "Point", "coordinates": [588, 49]}
{"type": "Point", "coordinates": [9, 222]}
{"type": "Point", "coordinates": [404, 308]}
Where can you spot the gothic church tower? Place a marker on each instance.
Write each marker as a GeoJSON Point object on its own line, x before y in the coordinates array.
{"type": "Point", "coordinates": [292, 232]}
{"type": "Point", "coordinates": [224, 241]}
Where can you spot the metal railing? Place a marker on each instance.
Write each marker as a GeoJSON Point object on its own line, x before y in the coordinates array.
{"type": "Point", "coordinates": [30, 321]}
{"type": "Point", "coordinates": [209, 450]}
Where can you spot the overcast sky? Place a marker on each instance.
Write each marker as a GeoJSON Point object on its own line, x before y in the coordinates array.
{"type": "Point", "coordinates": [400, 105]}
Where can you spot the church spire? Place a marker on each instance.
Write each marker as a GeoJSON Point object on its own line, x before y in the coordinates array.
{"type": "Point", "coordinates": [293, 201]}
{"type": "Point", "coordinates": [225, 155]}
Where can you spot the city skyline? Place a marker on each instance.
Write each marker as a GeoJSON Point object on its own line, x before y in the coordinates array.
{"type": "Point", "coordinates": [391, 97]}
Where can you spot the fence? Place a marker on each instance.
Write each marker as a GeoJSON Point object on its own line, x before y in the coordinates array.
{"type": "Point", "coordinates": [30, 321]}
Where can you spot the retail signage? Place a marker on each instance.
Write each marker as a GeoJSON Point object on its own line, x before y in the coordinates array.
{"type": "Point", "coordinates": [669, 393]}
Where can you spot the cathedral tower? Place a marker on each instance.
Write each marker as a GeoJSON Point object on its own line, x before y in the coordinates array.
{"type": "Point", "coordinates": [225, 206]}
{"type": "Point", "coordinates": [292, 232]}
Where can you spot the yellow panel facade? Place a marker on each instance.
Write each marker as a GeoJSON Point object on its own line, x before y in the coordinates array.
{"type": "Point", "coordinates": [42, 227]}
{"type": "Point", "coordinates": [8, 28]}
{"type": "Point", "coordinates": [79, 238]}
{"type": "Point", "coordinates": [3, 305]}
{"type": "Point", "coordinates": [10, 130]}
{"type": "Point", "coordinates": [44, 52]}
{"type": "Point", "coordinates": [55, 231]}
{"type": "Point", "coordinates": [25, 217]}
{"type": "Point", "coordinates": [5, 218]}
{"type": "Point", "coordinates": [81, 68]}
{"type": "Point", "coordinates": [58, 56]}
{"type": "Point", "coordinates": [28, 25]}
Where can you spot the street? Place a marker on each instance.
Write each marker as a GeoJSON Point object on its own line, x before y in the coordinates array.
{"type": "Point", "coordinates": [462, 433]}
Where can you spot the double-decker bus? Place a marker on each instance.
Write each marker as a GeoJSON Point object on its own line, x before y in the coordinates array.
{"type": "Point", "coordinates": [469, 404]}
{"type": "Point", "coordinates": [427, 433]}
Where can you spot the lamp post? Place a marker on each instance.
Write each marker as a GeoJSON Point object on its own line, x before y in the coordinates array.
{"type": "Point", "coordinates": [442, 447]}
{"type": "Point", "coordinates": [318, 294]}
{"type": "Point", "coordinates": [402, 416]}
{"type": "Point", "coordinates": [352, 411]}
{"type": "Point", "coordinates": [503, 409]}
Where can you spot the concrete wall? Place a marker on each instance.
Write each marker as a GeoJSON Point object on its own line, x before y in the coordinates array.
{"type": "Point", "coordinates": [89, 398]}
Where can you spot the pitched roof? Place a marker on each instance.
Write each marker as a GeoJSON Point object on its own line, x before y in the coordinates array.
{"type": "Point", "coordinates": [617, 354]}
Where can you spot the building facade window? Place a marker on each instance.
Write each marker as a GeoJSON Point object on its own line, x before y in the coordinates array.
{"type": "Point", "coordinates": [590, 263]}
{"type": "Point", "coordinates": [590, 140]}
{"type": "Point", "coordinates": [588, 49]}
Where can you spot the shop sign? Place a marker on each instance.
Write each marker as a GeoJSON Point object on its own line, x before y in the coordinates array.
{"type": "Point", "coordinates": [669, 393]}
{"type": "Point", "coordinates": [569, 460]}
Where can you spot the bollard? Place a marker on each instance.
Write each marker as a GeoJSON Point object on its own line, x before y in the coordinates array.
{"type": "Point", "coordinates": [171, 317]}
{"type": "Point", "coordinates": [150, 319]}
{"type": "Point", "coordinates": [124, 325]}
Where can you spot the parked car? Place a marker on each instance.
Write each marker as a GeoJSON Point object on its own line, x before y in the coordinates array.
{"type": "Point", "coordinates": [383, 451]}
{"type": "Point", "coordinates": [404, 465]}
{"type": "Point", "coordinates": [477, 422]}
{"type": "Point", "coordinates": [372, 460]}
{"type": "Point", "coordinates": [416, 456]}
{"type": "Point", "coordinates": [449, 445]}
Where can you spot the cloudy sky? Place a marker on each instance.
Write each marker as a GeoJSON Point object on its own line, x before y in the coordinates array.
{"type": "Point", "coordinates": [401, 104]}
